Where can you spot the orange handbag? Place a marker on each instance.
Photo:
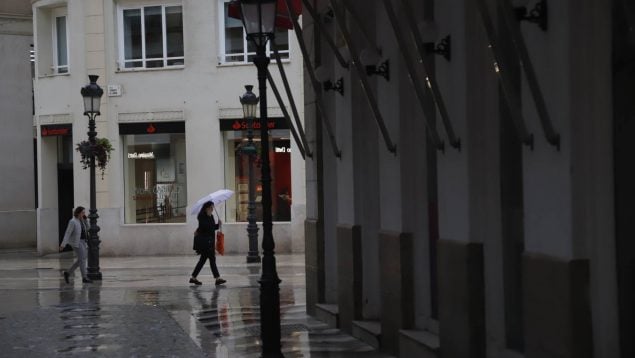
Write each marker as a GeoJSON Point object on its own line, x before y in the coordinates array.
{"type": "Point", "coordinates": [220, 243]}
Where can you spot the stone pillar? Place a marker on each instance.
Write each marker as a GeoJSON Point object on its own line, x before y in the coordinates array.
{"type": "Point", "coordinates": [314, 224]}
{"type": "Point", "coordinates": [349, 271]}
{"type": "Point", "coordinates": [397, 291]}
{"type": "Point", "coordinates": [557, 312]}
{"type": "Point", "coordinates": [461, 299]}
{"type": "Point", "coordinates": [314, 264]}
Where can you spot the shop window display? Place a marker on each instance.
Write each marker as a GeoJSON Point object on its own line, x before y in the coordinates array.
{"type": "Point", "coordinates": [237, 175]}
{"type": "Point", "coordinates": [155, 178]}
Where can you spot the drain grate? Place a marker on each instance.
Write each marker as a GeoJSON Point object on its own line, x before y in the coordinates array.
{"type": "Point", "coordinates": [285, 329]}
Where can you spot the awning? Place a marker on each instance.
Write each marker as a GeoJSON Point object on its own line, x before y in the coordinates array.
{"type": "Point", "coordinates": [282, 16]}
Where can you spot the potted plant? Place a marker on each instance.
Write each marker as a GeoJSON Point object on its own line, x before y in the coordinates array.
{"type": "Point", "coordinates": [101, 150]}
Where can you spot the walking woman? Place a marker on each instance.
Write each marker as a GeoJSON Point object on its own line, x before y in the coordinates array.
{"type": "Point", "coordinates": [77, 236]}
{"type": "Point", "coordinates": [205, 241]}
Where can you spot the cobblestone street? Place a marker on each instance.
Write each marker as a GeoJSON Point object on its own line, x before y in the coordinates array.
{"type": "Point", "coordinates": [145, 307]}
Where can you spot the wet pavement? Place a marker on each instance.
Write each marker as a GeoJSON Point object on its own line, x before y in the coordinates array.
{"type": "Point", "coordinates": [144, 307]}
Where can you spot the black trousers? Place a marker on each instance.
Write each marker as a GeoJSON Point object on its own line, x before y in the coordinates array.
{"type": "Point", "coordinates": [205, 255]}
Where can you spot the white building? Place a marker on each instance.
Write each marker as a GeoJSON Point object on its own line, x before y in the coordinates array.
{"type": "Point", "coordinates": [172, 72]}
{"type": "Point", "coordinates": [17, 198]}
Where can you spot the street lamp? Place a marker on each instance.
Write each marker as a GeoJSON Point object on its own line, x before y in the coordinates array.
{"type": "Point", "coordinates": [258, 17]}
{"type": "Point", "coordinates": [92, 100]}
{"type": "Point", "coordinates": [249, 102]}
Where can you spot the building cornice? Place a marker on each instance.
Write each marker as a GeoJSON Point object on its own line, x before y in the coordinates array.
{"type": "Point", "coordinates": [157, 116]}
{"type": "Point", "coordinates": [237, 112]}
{"type": "Point", "coordinates": [16, 25]}
{"type": "Point", "coordinates": [61, 118]}
{"type": "Point", "coordinates": [9, 15]}
{"type": "Point", "coordinates": [38, 3]}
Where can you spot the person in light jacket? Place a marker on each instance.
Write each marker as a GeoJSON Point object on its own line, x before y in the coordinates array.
{"type": "Point", "coordinates": [77, 236]}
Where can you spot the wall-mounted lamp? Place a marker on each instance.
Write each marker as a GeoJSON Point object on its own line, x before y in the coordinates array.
{"type": "Point", "coordinates": [443, 48]}
{"type": "Point", "coordinates": [370, 57]}
{"type": "Point", "coordinates": [323, 74]}
{"type": "Point", "coordinates": [338, 86]}
{"type": "Point", "coordinates": [328, 15]}
{"type": "Point", "coordinates": [537, 15]}
{"type": "Point", "coordinates": [383, 69]}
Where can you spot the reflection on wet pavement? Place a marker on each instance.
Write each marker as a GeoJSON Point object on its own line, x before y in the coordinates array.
{"type": "Point", "coordinates": [145, 307]}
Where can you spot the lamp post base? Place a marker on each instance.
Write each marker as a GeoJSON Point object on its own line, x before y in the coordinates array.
{"type": "Point", "coordinates": [253, 258]}
{"type": "Point", "coordinates": [94, 276]}
{"type": "Point", "coordinates": [270, 309]}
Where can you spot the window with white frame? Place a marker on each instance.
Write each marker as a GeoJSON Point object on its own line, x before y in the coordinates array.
{"type": "Point", "coordinates": [60, 44]}
{"type": "Point", "coordinates": [151, 36]}
{"type": "Point", "coordinates": [234, 47]}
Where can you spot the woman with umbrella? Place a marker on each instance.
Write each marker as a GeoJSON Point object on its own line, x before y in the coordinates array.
{"type": "Point", "coordinates": [204, 242]}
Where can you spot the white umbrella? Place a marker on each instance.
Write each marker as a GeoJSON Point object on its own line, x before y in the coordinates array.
{"type": "Point", "coordinates": [216, 197]}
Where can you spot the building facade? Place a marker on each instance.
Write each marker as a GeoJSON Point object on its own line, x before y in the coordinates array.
{"type": "Point", "coordinates": [477, 201]}
{"type": "Point", "coordinates": [17, 194]}
{"type": "Point", "coordinates": [172, 73]}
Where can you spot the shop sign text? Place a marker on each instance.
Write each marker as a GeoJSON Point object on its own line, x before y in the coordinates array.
{"type": "Point", "coordinates": [142, 155]}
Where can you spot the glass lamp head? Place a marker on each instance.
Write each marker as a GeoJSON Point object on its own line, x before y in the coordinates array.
{"type": "Point", "coordinates": [259, 18]}
{"type": "Point", "coordinates": [92, 96]}
{"type": "Point", "coordinates": [249, 101]}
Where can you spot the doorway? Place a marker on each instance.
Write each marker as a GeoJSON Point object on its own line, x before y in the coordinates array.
{"type": "Point", "coordinates": [65, 195]}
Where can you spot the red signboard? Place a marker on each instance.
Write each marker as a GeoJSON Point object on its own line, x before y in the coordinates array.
{"type": "Point", "coordinates": [242, 124]}
{"type": "Point", "coordinates": [56, 130]}
{"type": "Point", "coordinates": [151, 127]}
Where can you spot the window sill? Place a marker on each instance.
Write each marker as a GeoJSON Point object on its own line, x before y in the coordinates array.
{"type": "Point", "coordinates": [239, 64]}
{"type": "Point", "coordinates": [132, 70]}
{"type": "Point", "coordinates": [47, 75]}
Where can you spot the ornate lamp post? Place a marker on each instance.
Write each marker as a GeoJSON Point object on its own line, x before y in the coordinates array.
{"type": "Point", "coordinates": [92, 100]}
{"type": "Point", "coordinates": [249, 102]}
{"type": "Point", "coordinates": [258, 17]}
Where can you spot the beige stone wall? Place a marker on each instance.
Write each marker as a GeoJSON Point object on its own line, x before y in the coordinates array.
{"type": "Point", "coordinates": [15, 7]}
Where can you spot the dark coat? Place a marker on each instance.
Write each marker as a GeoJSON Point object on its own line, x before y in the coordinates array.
{"type": "Point", "coordinates": [204, 238]}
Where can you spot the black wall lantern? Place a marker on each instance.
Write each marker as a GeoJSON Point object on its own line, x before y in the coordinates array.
{"type": "Point", "coordinates": [383, 69]}
{"type": "Point", "coordinates": [338, 86]}
{"type": "Point", "coordinates": [443, 48]}
{"type": "Point", "coordinates": [538, 15]}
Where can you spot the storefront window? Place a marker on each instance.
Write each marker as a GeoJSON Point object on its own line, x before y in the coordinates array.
{"type": "Point", "coordinates": [155, 178]}
{"type": "Point", "coordinates": [237, 175]}
{"type": "Point", "coordinates": [151, 36]}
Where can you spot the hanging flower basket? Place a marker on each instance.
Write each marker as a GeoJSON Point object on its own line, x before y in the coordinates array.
{"type": "Point", "coordinates": [101, 150]}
